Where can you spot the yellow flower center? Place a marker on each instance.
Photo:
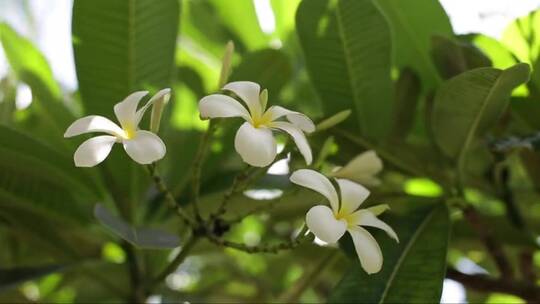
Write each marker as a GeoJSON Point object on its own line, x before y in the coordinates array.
{"type": "Point", "coordinates": [263, 120]}
{"type": "Point", "coordinates": [130, 132]}
{"type": "Point", "coordinates": [347, 218]}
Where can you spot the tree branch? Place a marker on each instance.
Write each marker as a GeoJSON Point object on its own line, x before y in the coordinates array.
{"type": "Point", "coordinates": [493, 247]}
{"type": "Point", "coordinates": [263, 248]}
{"type": "Point", "coordinates": [484, 283]}
{"type": "Point", "coordinates": [173, 265]}
{"type": "Point", "coordinates": [169, 197]}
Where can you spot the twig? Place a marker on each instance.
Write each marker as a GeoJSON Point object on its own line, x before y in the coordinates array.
{"type": "Point", "coordinates": [526, 266]}
{"type": "Point", "coordinates": [198, 163]}
{"type": "Point", "coordinates": [383, 153]}
{"type": "Point", "coordinates": [173, 265]}
{"type": "Point", "coordinates": [493, 247]}
{"type": "Point", "coordinates": [169, 197]}
{"type": "Point", "coordinates": [292, 295]}
{"type": "Point", "coordinates": [480, 282]}
{"type": "Point", "coordinates": [263, 248]}
{"type": "Point", "coordinates": [138, 294]}
{"type": "Point", "coordinates": [236, 187]}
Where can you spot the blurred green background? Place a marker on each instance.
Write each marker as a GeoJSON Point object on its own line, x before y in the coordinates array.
{"type": "Point", "coordinates": [53, 250]}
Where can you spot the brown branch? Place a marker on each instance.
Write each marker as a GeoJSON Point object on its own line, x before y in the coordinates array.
{"type": "Point", "coordinates": [262, 248]}
{"type": "Point", "coordinates": [493, 247]}
{"type": "Point", "coordinates": [138, 293]}
{"type": "Point", "coordinates": [173, 265]}
{"type": "Point", "coordinates": [169, 197]}
{"type": "Point", "coordinates": [484, 283]}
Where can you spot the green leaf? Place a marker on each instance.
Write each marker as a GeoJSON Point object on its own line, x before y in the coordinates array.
{"type": "Point", "coordinates": [407, 95]}
{"type": "Point", "coordinates": [269, 68]}
{"type": "Point", "coordinates": [413, 271]}
{"type": "Point", "coordinates": [413, 23]}
{"type": "Point", "coordinates": [246, 27]}
{"type": "Point", "coordinates": [520, 37]}
{"type": "Point", "coordinates": [497, 53]}
{"type": "Point", "coordinates": [10, 277]}
{"type": "Point", "coordinates": [453, 57]}
{"type": "Point", "coordinates": [346, 44]}
{"type": "Point", "coordinates": [140, 237]}
{"type": "Point", "coordinates": [31, 67]}
{"type": "Point", "coordinates": [122, 46]}
{"type": "Point", "coordinates": [469, 104]}
{"type": "Point", "coordinates": [29, 168]}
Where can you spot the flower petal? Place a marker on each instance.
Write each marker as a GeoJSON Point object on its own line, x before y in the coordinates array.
{"type": "Point", "coordinates": [126, 110]}
{"type": "Point", "coordinates": [145, 148]}
{"type": "Point", "coordinates": [352, 195]}
{"type": "Point", "coordinates": [165, 93]}
{"type": "Point", "coordinates": [298, 137]}
{"type": "Point", "coordinates": [93, 123]}
{"type": "Point", "coordinates": [94, 150]}
{"type": "Point", "coordinates": [296, 118]}
{"type": "Point", "coordinates": [367, 249]}
{"type": "Point", "coordinates": [321, 221]}
{"type": "Point", "coordinates": [218, 105]}
{"type": "Point", "coordinates": [366, 218]}
{"type": "Point", "coordinates": [317, 182]}
{"type": "Point", "coordinates": [256, 146]}
{"type": "Point", "coordinates": [249, 92]}
{"type": "Point", "coordinates": [362, 169]}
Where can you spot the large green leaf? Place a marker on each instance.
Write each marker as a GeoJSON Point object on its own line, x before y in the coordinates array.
{"type": "Point", "coordinates": [454, 57]}
{"type": "Point", "coordinates": [521, 37]}
{"type": "Point", "coordinates": [470, 103]}
{"type": "Point", "coordinates": [122, 46]}
{"type": "Point", "coordinates": [413, 271]}
{"type": "Point", "coordinates": [246, 27]}
{"type": "Point", "coordinates": [36, 176]}
{"type": "Point", "coordinates": [270, 68]}
{"type": "Point", "coordinates": [413, 23]}
{"type": "Point", "coordinates": [31, 67]}
{"type": "Point", "coordinates": [138, 236]}
{"type": "Point", "coordinates": [346, 44]}
{"type": "Point", "coordinates": [407, 95]}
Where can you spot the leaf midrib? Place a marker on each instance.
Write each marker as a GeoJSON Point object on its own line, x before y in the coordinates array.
{"type": "Point", "coordinates": [352, 79]}
{"type": "Point", "coordinates": [405, 253]}
{"type": "Point", "coordinates": [416, 43]}
{"type": "Point", "coordinates": [474, 125]}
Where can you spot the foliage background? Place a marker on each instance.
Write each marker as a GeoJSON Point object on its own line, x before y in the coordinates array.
{"type": "Point", "coordinates": [383, 59]}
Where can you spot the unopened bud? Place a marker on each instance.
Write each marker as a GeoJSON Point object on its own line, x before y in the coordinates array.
{"type": "Point", "coordinates": [226, 64]}
{"type": "Point", "coordinates": [263, 98]}
{"type": "Point", "coordinates": [333, 120]}
{"type": "Point", "coordinates": [162, 98]}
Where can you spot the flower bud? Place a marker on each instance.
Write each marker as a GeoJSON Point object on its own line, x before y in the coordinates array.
{"type": "Point", "coordinates": [333, 120]}
{"type": "Point", "coordinates": [226, 64]}
{"type": "Point", "coordinates": [157, 112]}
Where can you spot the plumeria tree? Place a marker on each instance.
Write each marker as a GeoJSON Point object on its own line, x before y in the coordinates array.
{"type": "Point", "coordinates": [358, 151]}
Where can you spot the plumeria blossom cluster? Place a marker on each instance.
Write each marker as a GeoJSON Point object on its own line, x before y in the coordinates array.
{"type": "Point", "coordinates": [256, 145]}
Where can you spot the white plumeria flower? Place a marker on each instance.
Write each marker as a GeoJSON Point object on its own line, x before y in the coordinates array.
{"type": "Point", "coordinates": [254, 140]}
{"type": "Point", "coordinates": [144, 147]}
{"type": "Point", "coordinates": [362, 169]}
{"type": "Point", "coordinates": [330, 224]}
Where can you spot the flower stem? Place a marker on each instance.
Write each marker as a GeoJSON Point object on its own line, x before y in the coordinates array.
{"type": "Point", "coordinates": [263, 248]}
{"type": "Point", "coordinates": [169, 197]}
{"type": "Point", "coordinates": [292, 294]}
{"type": "Point", "coordinates": [173, 265]}
{"type": "Point", "coordinates": [197, 166]}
